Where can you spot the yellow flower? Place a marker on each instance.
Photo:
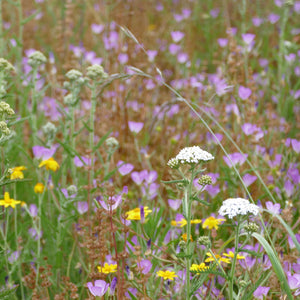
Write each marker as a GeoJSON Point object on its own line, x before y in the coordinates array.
{"type": "Point", "coordinates": [231, 255]}
{"type": "Point", "coordinates": [135, 214]}
{"type": "Point", "coordinates": [107, 268]}
{"type": "Point", "coordinates": [50, 164]}
{"type": "Point", "coordinates": [212, 222]}
{"type": "Point", "coordinates": [196, 221]}
{"type": "Point", "coordinates": [199, 268]}
{"type": "Point", "coordinates": [184, 237]}
{"type": "Point", "coordinates": [6, 202]}
{"type": "Point", "coordinates": [17, 172]}
{"type": "Point", "coordinates": [166, 275]}
{"type": "Point", "coordinates": [218, 257]}
{"type": "Point", "coordinates": [39, 188]}
{"type": "Point", "coordinates": [183, 222]}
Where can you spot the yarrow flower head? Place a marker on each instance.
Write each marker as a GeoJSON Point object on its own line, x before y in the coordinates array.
{"type": "Point", "coordinates": [166, 275]}
{"type": "Point", "coordinates": [192, 155]}
{"type": "Point", "coordinates": [233, 207]}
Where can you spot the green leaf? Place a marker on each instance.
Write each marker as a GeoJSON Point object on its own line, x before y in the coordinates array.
{"type": "Point", "coordinates": [26, 20]}
{"type": "Point", "coordinates": [276, 265]}
{"type": "Point", "coordinates": [8, 293]}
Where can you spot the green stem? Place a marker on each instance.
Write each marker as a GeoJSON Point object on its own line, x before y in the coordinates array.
{"type": "Point", "coordinates": [1, 33]}
{"type": "Point", "coordinates": [92, 135]}
{"type": "Point", "coordinates": [20, 44]}
{"type": "Point", "coordinates": [17, 244]}
{"type": "Point", "coordinates": [281, 61]}
{"type": "Point", "coordinates": [234, 261]}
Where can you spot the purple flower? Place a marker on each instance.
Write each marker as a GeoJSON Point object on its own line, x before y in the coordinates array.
{"type": "Point", "coordinates": [123, 58]}
{"type": "Point", "coordinates": [244, 92]}
{"type": "Point", "coordinates": [235, 158]}
{"type": "Point", "coordinates": [138, 177]}
{"type": "Point", "coordinates": [78, 162]}
{"type": "Point", "coordinates": [260, 292]}
{"type": "Point", "coordinates": [132, 291]}
{"type": "Point", "coordinates": [222, 42]}
{"type": "Point", "coordinates": [247, 263]}
{"type": "Point", "coordinates": [99, 288]}
{"type": "Point", "coordinates": [295, 145]}
{"type": "Point", "coordinates": [297, 7]}
{"type": "Point", "coordinates": [213, 190]}
{"type": "Point", "coordinates": [151, 55]}
{"type": "Point", "coordinates": [43, 153]}
{"type": "Point", "coordinates": [145, 266]}
{"type": "Point", "coordinates": [135, 127]}
{"type": "Point", "coordinates": [182, 58]}
{"type": "Point", "coordinates": [249, 129]}
{"type": "Point", "coordinates": [13, 257]}
{"type": "Point", "coordinates": [248, 38]}
{"type": "Point", "coordinates": [114, 202]}
{"type": "Point", "coordinates": [33, 210]}
{"type": "Point", "coordinates": [214, 12]}
{"type": "Point", "coordinates": [294, 282]}
{"type": "Point", "coordinates": [113, 285]}
{"type": "Point", "coordinates": [289, 188]}
{"type": "Point", "coordinates": [174, 204]}
{"type": "Point", "coordinates": [249, 179]}
{"type": "Point", "coordinates": [257, 21]}
{"type": "Point", "coordinates": [273, 18]}
{"type": "Point", "coordinates": [273, 208]}
{"type": "Point", "coordinates": [82, 207]}
{"type": "Point", "coordinates": [177, 36]}
{"type": "Point", "coordinates": [97, 28]}
{"type": "Point", "coordinates": [291, 242]}
{"type": "Point", "coordinates": [276, 162]}
{"type": "Point", "coordinates": [124, 168]}
{"type": "Point", "coordinates": [174, 49]}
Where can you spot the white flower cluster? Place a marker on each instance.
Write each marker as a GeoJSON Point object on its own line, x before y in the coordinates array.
{"type": "Point", "coordinates": [193, 155]}
{"type": "Point", "coordinates": [237, 206]}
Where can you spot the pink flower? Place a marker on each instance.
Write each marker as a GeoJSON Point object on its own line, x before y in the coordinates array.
{"type": "Point", "coordinates": [135, 127]}
{"type": "Point", "coordinates": [99, 288]}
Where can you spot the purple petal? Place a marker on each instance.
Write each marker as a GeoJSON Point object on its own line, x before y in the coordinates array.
{"type": "Point", "coordinates": [249, 179]}
{"type": "Point", "coordinates": [174, 204]}
{"type": "Point", "coordinates": [244, 92]}
{"type": "Point", "coordinates": [124, 168]}
{"type": "Point", "coordinates": [295, 145]}
{"type": "Point", "coordinates": [135, 127]}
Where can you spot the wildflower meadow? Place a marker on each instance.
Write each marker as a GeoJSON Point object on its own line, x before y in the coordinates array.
{"type": "Point", "coordinates": [149, 149]}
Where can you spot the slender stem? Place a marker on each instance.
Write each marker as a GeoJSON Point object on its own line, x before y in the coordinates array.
{"type": "Point", "coordinates": [17, 244]}
{"type": "Point", "coordinates": [92, 135]}
{"type": "Point", "coordinates": [281, 53]}
{"type": "Point", "coordinates": [234, 261]}
{"type": "Point", "coordinates": [1, 33]}
{"type": "Point", "coordinates": [20, 44]}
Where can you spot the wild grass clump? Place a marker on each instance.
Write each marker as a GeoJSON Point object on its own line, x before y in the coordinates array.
{"type": "Point", "coordinates": [149, 150]}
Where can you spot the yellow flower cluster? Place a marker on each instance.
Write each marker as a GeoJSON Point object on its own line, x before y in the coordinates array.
{"type": "Point", "coordinates": [166, 275]}
{"type": "Point", "coordinates": [135, 214]}
{"type": "Point", "coordinates": [107, 268]}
